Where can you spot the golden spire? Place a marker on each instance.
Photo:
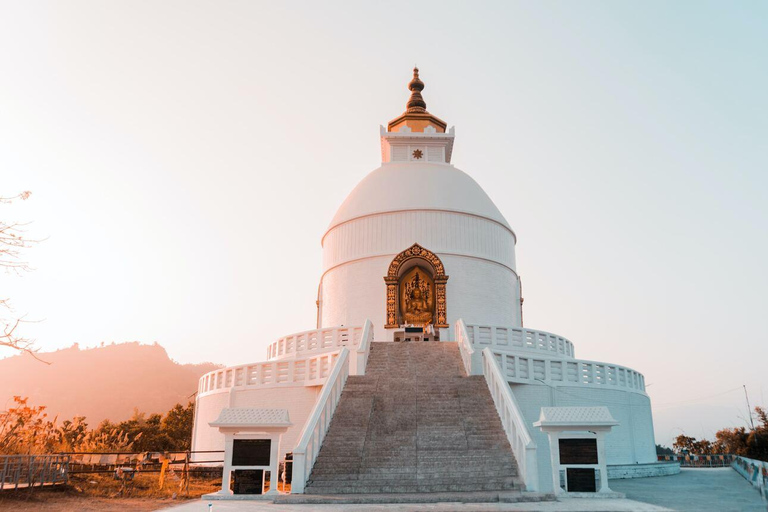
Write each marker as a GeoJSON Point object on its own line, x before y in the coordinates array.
{"type": "Point", "coordinates": [416, 116]}
{"type": "Point", "coordinates": [416, 103]}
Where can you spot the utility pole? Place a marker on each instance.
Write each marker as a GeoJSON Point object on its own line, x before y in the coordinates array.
{"type": "Point", "coordinates": [749, 409]}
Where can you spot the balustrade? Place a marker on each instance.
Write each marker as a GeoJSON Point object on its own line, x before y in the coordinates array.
{"type": "Point", "coordinates": [526, 356]}
{"type": "Point", "coordinates": [318, 340]}
{"type": "Point", "coordinates": [308, 372]}
{"type": "Point", "coordinates": [311, 439]}
{"type": "Point", "coordinates": [519, 338]}
{"type": "Point", "coordinates": [513, 421]}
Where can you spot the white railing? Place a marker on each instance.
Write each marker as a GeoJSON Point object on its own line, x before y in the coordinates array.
{"type": "Point", "coordinates": [359, 359]}
{"type": "Point", "coordinates": [307, 372]}
{"type": "Point", "coordinates": [519, 338]}
{"type": "Point", "coordinates": [311, 439]}
{"type": "Point", "coordinates": [470, 357]}
{"type": "Point", "coordinates": [524, 369]}
{"type": "Point", "coordinates": [309, 366]}
{"type": "Point", "coordinates": [513, 421]}
{"type": "Point", "coordinates": [318, 340]}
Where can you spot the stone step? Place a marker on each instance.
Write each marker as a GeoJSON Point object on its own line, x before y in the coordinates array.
{"type": "Point", "coordinates": [383, 474]}
{"type": "Point", "coordinates": [414, 424]}
{"type": "Point", "coordinates": [511, 496]}
{"type": "Point", "coordinates": [360, 464]}
{"type": "Point", "coordinates": [419, 488]}
{"type": "Point", "coordinates": [500, 482]}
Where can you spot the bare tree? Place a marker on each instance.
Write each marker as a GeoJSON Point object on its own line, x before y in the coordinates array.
{"type": "Point", "coordinates": [13, 241]}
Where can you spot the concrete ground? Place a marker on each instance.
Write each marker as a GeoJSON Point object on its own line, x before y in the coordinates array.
{"type": "Point", "coordinates": [569, 505]}
{"type": "Point", "coordinates": [718, 489]}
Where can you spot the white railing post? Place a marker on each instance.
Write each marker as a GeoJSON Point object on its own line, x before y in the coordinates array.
{"type": "Point", "coordinates": [311, 439]}
{"type": "Point", "coordinates": [360, 357]}
{"type": "Point", "coordinates": [471, 358]}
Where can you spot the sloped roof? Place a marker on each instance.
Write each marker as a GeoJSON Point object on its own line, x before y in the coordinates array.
{"type": "Point", "coordinates": [576, 416]}
{"type": "Point", "coordinates": [249, 417]}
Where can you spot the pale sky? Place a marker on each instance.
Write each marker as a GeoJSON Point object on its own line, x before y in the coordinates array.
{"type": "Point", "coordinates": [186, 157]}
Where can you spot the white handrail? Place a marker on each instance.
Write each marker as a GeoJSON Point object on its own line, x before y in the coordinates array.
{"type": "Point", "coordinates": [525, 369]}
{"type": "Point", "coordinates": [310, 371]}
{"type": "Point", "coordinates": [515, 339]}
{"type": "Point", "coordinates": [311, 439]}
{"type": "Point", "coordinates": [470, 357]}
{"type": "Point", "coordinates": [514, 423]}
{"type": "Point", "coordinates": [315, 341]}
{"type": "Point", "coordinates": [527, 356]}
{"type": "Point", "coordinates": [360, 358]}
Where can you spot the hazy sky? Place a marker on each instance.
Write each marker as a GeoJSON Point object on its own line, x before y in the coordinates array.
{"type": "Point", "coordinates": [186, 157]}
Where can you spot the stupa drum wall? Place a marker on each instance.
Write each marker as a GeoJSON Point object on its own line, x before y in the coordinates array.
{"type": "Point", "coordinates": [478, 255]}
{"type": "Point", "coordinates": [355, 291]}
{"type": "Point", "coordinates": [446, 232]}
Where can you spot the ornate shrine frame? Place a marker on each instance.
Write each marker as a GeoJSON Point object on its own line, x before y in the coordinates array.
{"type": "Point", "coordinates": [416, 251]}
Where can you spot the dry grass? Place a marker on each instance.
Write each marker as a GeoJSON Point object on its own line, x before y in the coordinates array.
{"type": "Point", "coordinates": [103, 493]}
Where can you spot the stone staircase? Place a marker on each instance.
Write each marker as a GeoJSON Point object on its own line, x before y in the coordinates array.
{"type": "Point", "coordinates": [415, 423]}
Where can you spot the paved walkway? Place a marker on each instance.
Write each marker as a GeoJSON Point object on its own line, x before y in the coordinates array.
{"type": "Point", "coordinates": [569, 505]}
{"type": "Point", "coordinates": [719, 489]}
{"type": "Point", "coordinates": [716, 489]}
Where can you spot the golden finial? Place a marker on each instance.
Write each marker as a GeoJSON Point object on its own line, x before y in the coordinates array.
{"type": "Point", "coordinates": [416, 118]}
{"type": "Point", "coordinates": [416, 103]}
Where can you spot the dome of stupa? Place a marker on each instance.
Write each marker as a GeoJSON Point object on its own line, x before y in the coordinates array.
{"type": "Point", "coordinates": [410, 186]}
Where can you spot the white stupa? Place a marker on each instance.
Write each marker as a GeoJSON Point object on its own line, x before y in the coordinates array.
{"type": "Point", "coordinates": [418, 252]}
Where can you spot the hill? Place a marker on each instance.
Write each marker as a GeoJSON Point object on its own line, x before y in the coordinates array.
{"type": "Point", "coordinates": [101, 383]}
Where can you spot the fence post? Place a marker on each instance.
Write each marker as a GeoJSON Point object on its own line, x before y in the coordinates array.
{"type": "Point", "coordinates": [4, 472]}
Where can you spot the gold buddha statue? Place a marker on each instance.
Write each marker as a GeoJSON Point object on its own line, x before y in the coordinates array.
{"type": "Point", "coordinates": [418, 309]}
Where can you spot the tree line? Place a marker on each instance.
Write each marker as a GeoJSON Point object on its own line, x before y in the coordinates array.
{"type": "Point", "coordinates": [27, 429]}
{"type": "Point", "coordinates": [752, 444]}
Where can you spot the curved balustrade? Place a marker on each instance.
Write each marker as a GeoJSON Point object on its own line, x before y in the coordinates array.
{"type": "Point", "coordinates": [318, 340]}
{"type": "Point", "coordinates": [526, 356]}
{"type": "Point", "coordinates": [305, 453]}
{"type": "Point", "coordinates": [303, 368]}
{"type": "Point", "coordinates": [512, 419]}
{"type": "Point", "coordinates": [519, 338]}
{"type": "Point", "coordinates": [529, 370]}
{"type": "Point", "coordinates": [308, 372]}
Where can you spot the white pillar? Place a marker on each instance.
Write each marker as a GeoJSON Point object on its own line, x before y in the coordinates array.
{"type": "Point", "coordinates": [226, 474]}
{"type": "Point", "coordinates": [274, 462]}
{"type": "Point", "coordinates": [602, 461]}
{"type": "Point", "coordinates": [554, 453]}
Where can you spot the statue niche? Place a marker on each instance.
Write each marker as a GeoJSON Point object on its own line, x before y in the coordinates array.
{"type": "Point", "coordinates": [411, 300]}
{"type": "Point", "coordinates": [417, 297]}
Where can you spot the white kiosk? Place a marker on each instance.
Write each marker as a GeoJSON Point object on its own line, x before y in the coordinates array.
{"type": "Point", "coordinates": [251, 447]}
{"type": "Point", "coordinates": [577, 448]}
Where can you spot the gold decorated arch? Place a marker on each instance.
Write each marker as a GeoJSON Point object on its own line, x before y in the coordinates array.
{"type": "Point", "coordinates": [394, 276]}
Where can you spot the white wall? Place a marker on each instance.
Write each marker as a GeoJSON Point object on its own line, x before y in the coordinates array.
{"type": "Point", "coordinates": [631, 442]}
{"type": "Point", "coordinates": [479, 291]}
{"type": "Point", "coordinates": [439, 231]}
{"type": "Point", "coordinates": [299, 401]}
{"type": "Point", "coordinates": [478, 255]}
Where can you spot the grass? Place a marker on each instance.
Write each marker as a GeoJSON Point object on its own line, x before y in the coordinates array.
{"type": "Point", "coordinates": [101, 492]}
